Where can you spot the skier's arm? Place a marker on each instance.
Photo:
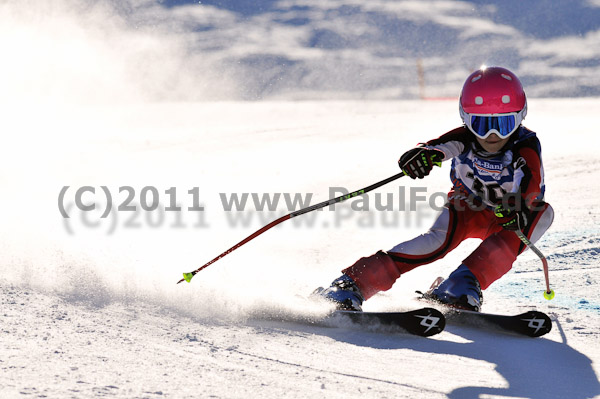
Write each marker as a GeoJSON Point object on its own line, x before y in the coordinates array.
{"type": "Point", "coordinates": [529, 172]}
{"type": "Point", "coordinates": [515, 211]}
{"type": "Point", "coordinates": [453, 143]}
{"type": "Point", "coordinates": [418, 162]}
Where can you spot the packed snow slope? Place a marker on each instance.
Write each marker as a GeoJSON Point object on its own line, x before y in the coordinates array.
{"type": "Point", "coordinates": [114, 102]}
{"type": "Point", "coordinates": [89, 306]}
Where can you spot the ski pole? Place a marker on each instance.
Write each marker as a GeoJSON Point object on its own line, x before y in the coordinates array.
{"type": "Point", "coordinates": [549, 293]}
{"type": "Point", "coordinates": [188, 276]}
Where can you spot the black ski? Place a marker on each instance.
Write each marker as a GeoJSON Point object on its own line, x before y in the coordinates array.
{"type": "Point", "coordinates": [532, 323]}
{"type": "Point", "coordinates": [424, 322]}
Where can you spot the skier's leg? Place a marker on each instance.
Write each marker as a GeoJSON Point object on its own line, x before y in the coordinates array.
{"type": "Point", "coordinates": [379, 271]}
{"type": "Point", "coordinates": [495, 255]}
{"type": "Point", "coordinates": [491, 260]}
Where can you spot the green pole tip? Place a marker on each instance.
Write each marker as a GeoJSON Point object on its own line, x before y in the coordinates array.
{"type": "Point", "coordinates": [549, 295]}
{"type": "Point", "coordinates": [188, 276]}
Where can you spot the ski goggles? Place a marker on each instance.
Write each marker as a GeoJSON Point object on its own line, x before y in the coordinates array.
{"type": "Point", "coordinates": [502, 125]}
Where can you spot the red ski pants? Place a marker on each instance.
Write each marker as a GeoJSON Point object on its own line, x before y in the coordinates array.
{"type": "Point", "coordinates": [490, 261]}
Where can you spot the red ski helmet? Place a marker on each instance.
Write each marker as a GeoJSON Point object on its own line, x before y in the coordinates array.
{"type": "Point", "coordinates": [492, 100]}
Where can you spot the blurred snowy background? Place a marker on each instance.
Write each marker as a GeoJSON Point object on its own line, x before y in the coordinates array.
{"type": "Point", "coordinates": [176, 50]}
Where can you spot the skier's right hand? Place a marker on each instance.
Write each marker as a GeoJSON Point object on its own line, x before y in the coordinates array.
{"type": "Point", "coordinates": [418, 162]}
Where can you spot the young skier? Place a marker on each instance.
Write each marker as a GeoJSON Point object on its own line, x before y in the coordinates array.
{"type": "Point", "coordinates": [498, 187]}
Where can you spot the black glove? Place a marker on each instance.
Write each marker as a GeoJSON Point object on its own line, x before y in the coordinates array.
{"type": "Point", "coordinates": [418, 162]}
{"type": "Point", "coordinates": [513, 214]}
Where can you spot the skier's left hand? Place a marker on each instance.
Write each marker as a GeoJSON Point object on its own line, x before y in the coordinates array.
{"type": "Point", "coordinates": [513, 216]}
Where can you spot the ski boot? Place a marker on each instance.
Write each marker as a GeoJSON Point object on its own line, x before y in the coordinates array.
{"type": "Point", "coordinates": [460, 290]}
{"type": "Point", "coordinates": [343, 292]}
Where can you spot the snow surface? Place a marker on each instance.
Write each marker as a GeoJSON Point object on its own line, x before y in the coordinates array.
{"type": "Point", "coordinates": [91, 95]}
{"type": "Point", "coordinates": [93, 310]}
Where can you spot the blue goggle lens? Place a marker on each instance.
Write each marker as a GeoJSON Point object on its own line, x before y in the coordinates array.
{"type": "Point", "coordinates": [504, 124]}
